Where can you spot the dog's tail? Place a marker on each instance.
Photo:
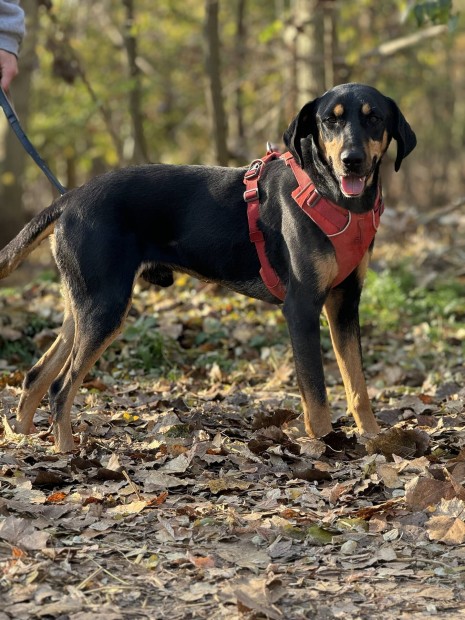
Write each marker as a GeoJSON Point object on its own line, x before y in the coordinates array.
{"type": "Point", "coordinates": [40, 227]}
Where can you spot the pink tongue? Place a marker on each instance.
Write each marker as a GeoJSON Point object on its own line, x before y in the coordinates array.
{"type": "Point", "coordinates": [352, 185]}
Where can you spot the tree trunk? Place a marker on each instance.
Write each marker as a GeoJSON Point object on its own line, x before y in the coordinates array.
{"type": "Point", "coordinates": [140, 154]}
{"type": "Point", "coordinates": [309, 35]}
{"type": "Point", "coordinates": [12, 212]}
{"type": "Point", "coordinates": [213, 67]}
{"type": "Point", "coordinates": [240, 149]}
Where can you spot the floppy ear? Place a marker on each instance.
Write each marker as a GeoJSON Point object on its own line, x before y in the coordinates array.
{"type": "Point", "coordinates": [401, 132]}
{"type": "Point", "coordinates": [302, 126]}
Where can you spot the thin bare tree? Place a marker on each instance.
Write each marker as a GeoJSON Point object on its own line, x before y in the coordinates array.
{"type": "Point", "coordinates": [215, 88]}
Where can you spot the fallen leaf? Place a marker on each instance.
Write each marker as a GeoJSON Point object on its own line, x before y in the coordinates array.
{"type": "Point", "coordinates": [218, 485]}
{"type": "Point", "coordinates": [128, 509]}
{"type": "Point", "coordinates": [389, 476]}
{"type": "Point", "coordinates": [405, 443]}
{"type": "Point", "coordinates": [423, 492]}
{"type": "Point", "coordinates": [54, 498]}
{"type": "Point", "coordinates": [449, 530]}
{"type": "Point", "coordinates": [201, 562]}
{"type": "Point", "coordinates": [253, 595]}
{"type": "Point", "coordinates": [23, 534]}
{"type": "Point", "coordinates": [278, 417]}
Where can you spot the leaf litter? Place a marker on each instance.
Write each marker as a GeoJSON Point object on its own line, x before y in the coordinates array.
{"type": "Point", "coordinates": [194, 493]}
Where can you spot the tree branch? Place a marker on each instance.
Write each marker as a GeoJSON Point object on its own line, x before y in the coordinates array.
{"type": "Point", "coordinates": [397, 45]}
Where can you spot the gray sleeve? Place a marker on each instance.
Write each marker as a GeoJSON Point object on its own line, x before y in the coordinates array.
{"type": "Point", "coordinates": [11, 25]}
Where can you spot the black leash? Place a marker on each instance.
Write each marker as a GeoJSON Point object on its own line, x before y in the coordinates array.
{"type": "Point", "coordinates": [26, 143]}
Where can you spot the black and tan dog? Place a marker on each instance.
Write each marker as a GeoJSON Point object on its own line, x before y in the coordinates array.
{"type": "Point", "coordinates": [152, 220]}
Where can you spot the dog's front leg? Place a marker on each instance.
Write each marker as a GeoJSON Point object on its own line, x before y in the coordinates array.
{"type": "Point", "coordinates": [303, 320]}
{"type": "Point", "coordinates": [341, 309]}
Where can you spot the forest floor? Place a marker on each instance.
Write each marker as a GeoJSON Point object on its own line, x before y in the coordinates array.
{"type": "Point", "coordinates": [193, 492]}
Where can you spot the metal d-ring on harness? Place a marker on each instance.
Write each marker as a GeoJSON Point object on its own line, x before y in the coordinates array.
{"type": "Point", "coordinates": [350, 233]}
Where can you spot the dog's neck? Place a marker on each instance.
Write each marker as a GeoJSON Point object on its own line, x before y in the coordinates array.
{"type": "Point", "coordinates": [328, 186]}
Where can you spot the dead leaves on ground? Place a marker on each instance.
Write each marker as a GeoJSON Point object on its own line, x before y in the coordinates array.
{"type": "Point", "coordinates": [198, 496]}
{"type": "Point", "coordinates": [194, 508]}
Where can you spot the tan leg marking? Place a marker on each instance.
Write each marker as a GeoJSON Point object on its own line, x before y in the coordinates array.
{"type": "Point", "coordinates": [83, 358]}
{"type": "Point", "coordinates": [42, 374]}
{"type": "Point", "coordinates": [317, 418]}
{"type": "Point", "coordinates": [348, 356]}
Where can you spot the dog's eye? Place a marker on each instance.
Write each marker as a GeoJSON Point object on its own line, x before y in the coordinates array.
{"type": "Point", "coordinates": [332, 120]}
{"type": "Point", "coordinates": [374, 120]}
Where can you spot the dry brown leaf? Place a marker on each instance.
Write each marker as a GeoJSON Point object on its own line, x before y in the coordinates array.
{"type": "Point", "coordinates": [23, 534]}
{"type": "Point", "coordinates": [449, 530]}
{"type": "Point", "coordinates": [423, 492]}
{"type": "Point", "coordinates": [14, 378]}
{"type": "Point", "coordinates": [95, 384]}
{"type": "Point", "coordinates": [389, 476]}
{"type": "Point", "coordinates": [159, 500]}
{"type": "Point", "coordinates": [219, 485]}
{"type": "Point", "coordinates": [201, 562]}
{"type": "Point", "coordinates": [128, 509]}
{"type": "Point", "coordinates": [55, 498]}
{"type": "Point", "coordinates": [409, 443]}
{"type": "Point", "coordinates": [254, 595]}
{"type": "Point", "coordinates": [307, 472]}
{"type": "Point", "coordinates": [278, 417]}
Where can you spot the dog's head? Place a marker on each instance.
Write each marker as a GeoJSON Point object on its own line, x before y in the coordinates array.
{"type": "Point", "coordinates": [351, 127]}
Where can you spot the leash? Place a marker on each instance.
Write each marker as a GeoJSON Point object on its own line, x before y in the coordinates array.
{"type": "Point", "coordinates": [26, 143]}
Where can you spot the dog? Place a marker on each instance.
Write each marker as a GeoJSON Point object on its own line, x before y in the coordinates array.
{"type": "Point", "coordinates": [151, 220]}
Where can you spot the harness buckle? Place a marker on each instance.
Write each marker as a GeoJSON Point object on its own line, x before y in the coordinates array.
{"type": "Point", "coordinates": [314, 198]}
{"type": "Point", "coordinates": [254, 169]}
{"type": "Point", "coordinates": [251, 194]}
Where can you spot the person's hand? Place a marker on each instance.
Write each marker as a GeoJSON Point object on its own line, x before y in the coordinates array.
{"type": "Point", "coordinates": [8, 68]}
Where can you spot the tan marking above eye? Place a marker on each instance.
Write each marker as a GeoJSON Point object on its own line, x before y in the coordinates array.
{"type": "Point", "coordinates": [366, 108]}
{"type": "Point", "coordinates": [338, 110]}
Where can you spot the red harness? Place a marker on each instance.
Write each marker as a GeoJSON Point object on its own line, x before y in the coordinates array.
{"type": "Point", "coordinates": [350, 233]}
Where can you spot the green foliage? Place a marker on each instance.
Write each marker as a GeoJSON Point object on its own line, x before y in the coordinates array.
{"type": "Point", "coordinates": [435, 12]}
{"type": "Point", "coordinates": [22, 352]}
{"type": "Point", "coordinates": [80, 116]}
{"type": "Point", "coordinates": [392, 299]}
{"type": "Point", "coordinates": [143, 347]}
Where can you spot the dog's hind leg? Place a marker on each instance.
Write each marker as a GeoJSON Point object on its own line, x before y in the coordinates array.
{"type": "Point", "coordinates": [39, 378]}
{"type": "Point", "coordinates": [98, 320]}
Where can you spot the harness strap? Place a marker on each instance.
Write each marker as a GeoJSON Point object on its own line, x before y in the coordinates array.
{"type": "Point", "coordinates": [251, 197]}
{"type": "Point", "coordinates": [350, 233]}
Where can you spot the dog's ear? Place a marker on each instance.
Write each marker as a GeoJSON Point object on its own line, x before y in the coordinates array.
{"type": "Point", "coordinates": [303, 125]}
{"type": "Point", "coordinates": [401, 132]}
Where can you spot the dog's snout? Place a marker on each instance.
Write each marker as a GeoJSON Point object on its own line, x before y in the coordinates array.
{"type": "Point", "coordinates": [352, 157]}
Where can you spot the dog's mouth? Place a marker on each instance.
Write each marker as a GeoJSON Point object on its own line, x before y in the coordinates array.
{"type": "Point", "coordinates": [352, 185]}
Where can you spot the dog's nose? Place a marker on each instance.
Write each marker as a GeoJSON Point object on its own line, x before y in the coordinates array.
{"type": "Point", "coordinates": [352, 157]}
